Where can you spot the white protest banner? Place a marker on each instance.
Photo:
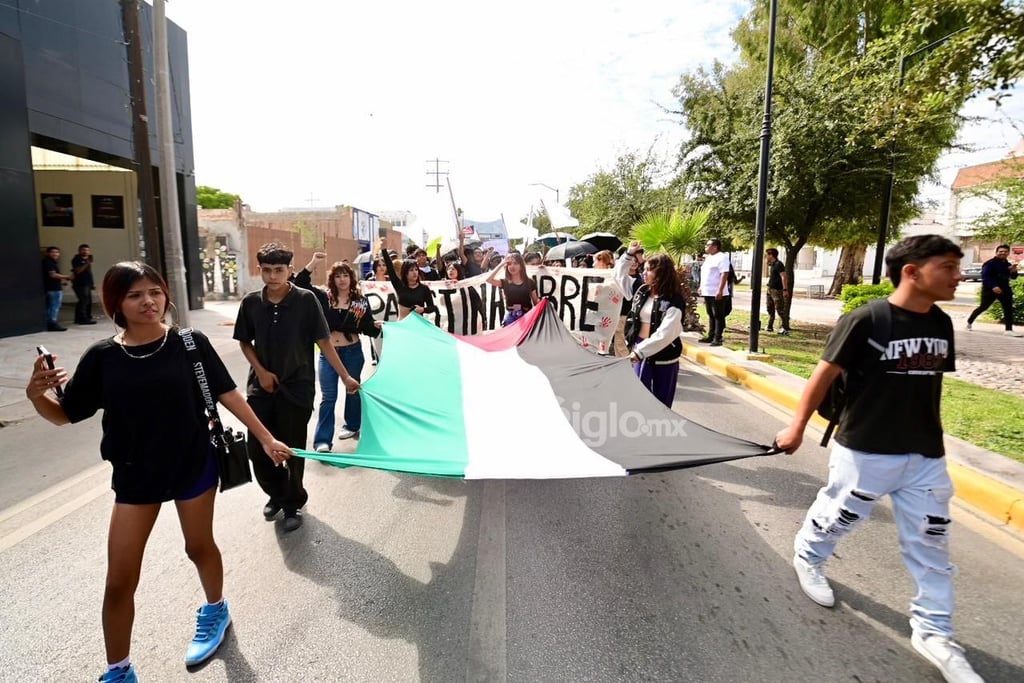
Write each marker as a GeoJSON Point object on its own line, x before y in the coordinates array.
{"type": "Point", "coordinates": [589, 301]}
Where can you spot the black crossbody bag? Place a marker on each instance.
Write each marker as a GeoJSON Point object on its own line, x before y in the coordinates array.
{"type": "Point", "coordinates": [228, 445]}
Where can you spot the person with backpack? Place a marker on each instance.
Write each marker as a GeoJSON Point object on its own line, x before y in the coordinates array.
{"type": "Point", "coordinates": [716, 288]}
{"type": "Point", "coordinates": [901, 386]}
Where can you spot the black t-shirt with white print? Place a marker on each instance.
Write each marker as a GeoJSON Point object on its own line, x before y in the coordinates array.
{"type": "Point", "coordinates": [898, 410]}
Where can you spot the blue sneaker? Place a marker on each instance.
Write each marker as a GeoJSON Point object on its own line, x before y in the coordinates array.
{"type": "Point", "coordinates": [126, 674]}
{"type": "Point", "coordinates": [211, 625]}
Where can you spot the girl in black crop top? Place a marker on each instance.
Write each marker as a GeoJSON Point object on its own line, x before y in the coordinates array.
{"type": "Point", "coordinates": [156, 435]}
{"type": "Point", "coordinates": [413, 295]}
{"type": "Point", "coordinates": [348, 315]}
{"type": "Point", "coordinates": [519, 290]}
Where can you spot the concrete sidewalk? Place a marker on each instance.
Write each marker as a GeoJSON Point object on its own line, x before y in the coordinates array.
{"type": "Point", "coordinates": [991, 482]}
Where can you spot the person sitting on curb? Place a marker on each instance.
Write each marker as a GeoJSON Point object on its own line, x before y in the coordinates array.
{"type": "Point", "coordinates": [871, 459]}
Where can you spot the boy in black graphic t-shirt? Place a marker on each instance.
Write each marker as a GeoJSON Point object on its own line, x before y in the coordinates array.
{"type": "Point", "coordinates": [890, 442]}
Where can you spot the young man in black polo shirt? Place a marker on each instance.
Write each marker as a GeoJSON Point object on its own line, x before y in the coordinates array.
{"type": "Point", "coordinates": [890, 442]}
{"type": "Point", "coordinates": [276, 328]}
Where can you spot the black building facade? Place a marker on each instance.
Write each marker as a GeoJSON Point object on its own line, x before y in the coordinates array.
{"type": "Point", "coordinates": [64, 85]}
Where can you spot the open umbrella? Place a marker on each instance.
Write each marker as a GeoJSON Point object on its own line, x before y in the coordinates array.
{"type": "Point", "coordinates": [552, 238]}
{"type": "Point", "coordinates": [569, 250]}
{"type": "Point", "coordinates": [364, 257]}
{"type": "Point", "coordinates": [603, 241]}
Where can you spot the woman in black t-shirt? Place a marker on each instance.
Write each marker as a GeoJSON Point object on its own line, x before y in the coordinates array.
{"type": "Point", "coordinates": [156, 435]}
{"type": "Point", "coordinates": [413, 295]}
{"type": "Point", "coordinates": [348, 315]}
{"type": "Point", "coordinates": [519, 290]}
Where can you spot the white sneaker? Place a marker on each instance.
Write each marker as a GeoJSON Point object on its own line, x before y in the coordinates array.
{"type": "Point", "coordinates": [947, 656]}
{"type": "Point", "coordinates": [322, 448]}
{"type": "Point", "coordinates": [1012, 333]}
{"type": "Point", "coordinates": [813, 582]}
{"type": "Point", "coordinates": [347, 434]}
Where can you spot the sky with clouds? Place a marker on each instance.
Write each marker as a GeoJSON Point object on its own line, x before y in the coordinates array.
{"type": "Point", "coordinates": [344, 102]}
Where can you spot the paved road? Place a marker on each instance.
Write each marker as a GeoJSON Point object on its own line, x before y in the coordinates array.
{"type": "Point", "coordinates": [680, 576]}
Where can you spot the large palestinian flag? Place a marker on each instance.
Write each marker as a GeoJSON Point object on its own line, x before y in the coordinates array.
{"type": "Point", "coordinates": [524, 402]}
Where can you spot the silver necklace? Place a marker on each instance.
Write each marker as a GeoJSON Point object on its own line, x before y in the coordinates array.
{"type": "Point", "coordinates": [145, 355]}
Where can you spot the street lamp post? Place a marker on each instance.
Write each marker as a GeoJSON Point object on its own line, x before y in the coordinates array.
{"type": "Point", "coordinates": [890, 178]}
{"type": "Point", "coordinates": [553, 189]}
{"type": "Point", "coordinates": [762, 188]}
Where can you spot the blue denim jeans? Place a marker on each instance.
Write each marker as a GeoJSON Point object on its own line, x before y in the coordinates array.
{"type": "Point", "coordinates": [352, 358]}
{"type": "Point", "coordinates": [920, 489]}
{"type": "Point", "coordinates": [53, 300]}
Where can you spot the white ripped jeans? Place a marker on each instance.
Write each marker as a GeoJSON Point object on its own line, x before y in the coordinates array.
{"type": "Point", "coordinates": [920, 490]}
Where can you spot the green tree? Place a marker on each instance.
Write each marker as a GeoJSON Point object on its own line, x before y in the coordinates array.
{"type": "Point", "coordinates": [213, 198]}
{"type": "Point", "coordinates": [541, 222]}
{"type": "Point", "coordinates": [615, 200]}
{"type": "Point", "coordinates": [839, 112]}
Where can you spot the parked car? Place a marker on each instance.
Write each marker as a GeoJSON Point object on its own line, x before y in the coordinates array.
{"type": "Point", "coordinates": [971, 273]}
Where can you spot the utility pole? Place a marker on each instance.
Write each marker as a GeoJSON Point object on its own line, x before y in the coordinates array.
{"type": "Point", "coordinates": [140, 134]}
{"type": "Point", "coordinates": [762, 188]}
{"type": "Point", "coordinates": [437, 173]}
{"type": "Point", "coordinates": [168, 172]}
{"type": "Point", "coordinates": [312, 200]}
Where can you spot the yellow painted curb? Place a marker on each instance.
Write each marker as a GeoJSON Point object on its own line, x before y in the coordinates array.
{"type": "Point", "coordinates": [998, 500]}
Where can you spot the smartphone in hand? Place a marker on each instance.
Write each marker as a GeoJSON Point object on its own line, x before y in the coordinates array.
{"type": "Point", "coordinates": [49, 363]}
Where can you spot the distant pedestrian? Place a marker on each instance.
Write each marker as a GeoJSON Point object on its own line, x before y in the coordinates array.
{"type": "Point", "coordinates": [715, 288]}
{"type": "Point", "coordinates": [53, 284]}
{"type": "Point", "coordinates": [156, 436]}
{"type": "Point", "coordinates": [996, 274]}
{"type": "Point", "coordinates": [81, 267]}
{"type": "Point", "coordinates": [779, 292]}
{"type": "Point", "coordinates": [890, 441]}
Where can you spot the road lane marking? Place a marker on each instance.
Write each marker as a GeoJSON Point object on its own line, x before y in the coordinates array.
{"type": "Point", "coordinates": [43, 521]}
{"type": "Point", "coordinates": [486, 657]}
{"type": "Point", "coordinates": [46, 494]}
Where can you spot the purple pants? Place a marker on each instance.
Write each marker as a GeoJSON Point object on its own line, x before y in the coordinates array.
{"type": "Point", "coordinates": [660, 380]}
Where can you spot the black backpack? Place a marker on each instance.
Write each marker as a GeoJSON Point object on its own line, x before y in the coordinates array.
{"type": "Point", "coordinates": [852, 382]}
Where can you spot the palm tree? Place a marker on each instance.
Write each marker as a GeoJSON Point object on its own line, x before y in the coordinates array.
{"type": "Point", "coordinates": [679, 235]}
{"type": "Point", "coordinates": [676, 233]}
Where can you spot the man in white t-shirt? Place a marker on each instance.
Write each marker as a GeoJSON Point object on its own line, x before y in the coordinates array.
{"type": "Point", "coordinates": [714, 287]}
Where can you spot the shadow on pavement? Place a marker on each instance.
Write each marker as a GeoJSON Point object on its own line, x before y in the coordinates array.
{"type": "Point", "coordinates": [374, 594]}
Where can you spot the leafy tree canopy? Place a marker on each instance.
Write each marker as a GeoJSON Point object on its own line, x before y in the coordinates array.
{"type": "Point", "coordinates": [213, 198]}
{"type": "Point", "coordinates": [613, 200]}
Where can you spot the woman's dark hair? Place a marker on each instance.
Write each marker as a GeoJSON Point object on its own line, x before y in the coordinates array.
{"type": "Point", "coordinates": [120, 278]}
{"type": "Point", "coordinates": [917, 250]}
{"type": "Point", "coordinates": [666, 282]}
{"type": "Point", "coordinates": [408, 266]}
{"type": "Point", "coordinates": [377, 265]}
{"type": "Point", "coordinates": [353, 283]}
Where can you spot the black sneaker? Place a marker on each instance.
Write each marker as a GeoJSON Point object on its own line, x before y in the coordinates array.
{"type": "Point", "coordinates": [705, 340]}
{"type": "Point", "coordinates": [292, 519]}
{"type": "Point", "coordinates": [55, 327]}
{"type": "Point", "coordinates": [717, 342]}
{"type": "Point", "coordinates": [270, 510]}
